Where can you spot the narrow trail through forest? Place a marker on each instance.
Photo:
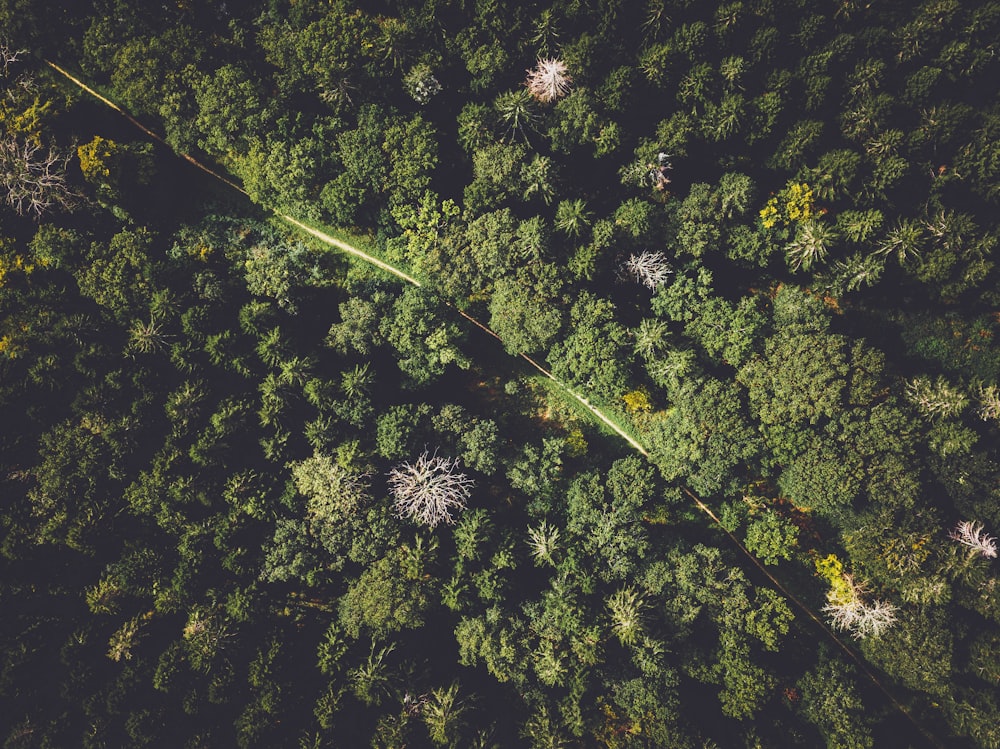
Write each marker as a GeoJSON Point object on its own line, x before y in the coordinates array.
{"type": "Point", "coordinates": [350, 249]}
{"type": "Point", "coordinates": [593, 410]}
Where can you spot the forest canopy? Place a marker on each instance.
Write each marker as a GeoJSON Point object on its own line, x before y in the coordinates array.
{"type": "Point", "coordinates": [576, 373]}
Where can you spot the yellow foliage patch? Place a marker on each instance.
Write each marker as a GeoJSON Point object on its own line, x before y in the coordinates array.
{"type": "Point", "coordinates": [794, 204]}
{"type": "Point", "coordinates": [831, 569]}
{"type": "Point", "coordinates": [576, 443]}
{"type": "Point", "coordinates": [95, 157]}
{"type": "Point", "coordinates": [637, 401]}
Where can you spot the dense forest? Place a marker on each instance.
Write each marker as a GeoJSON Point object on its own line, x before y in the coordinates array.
{"type": "Point", "coordinates": [257, 492]}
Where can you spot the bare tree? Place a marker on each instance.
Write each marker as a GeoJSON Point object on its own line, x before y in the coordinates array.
{"type": "Point", "coordinates": [430, 490]}
{"type": "Point", "coordinates": [875, 618]}
{"type": "Point", "coordinates": [548, 80]}
{"type": "Point", "coordinates": [651, 269]}
{"type": "Point", "coordinates": [970, 533]}
{"type": "Point", "coordinates": [859, 617]}
{"type": "Point", "coordinates": [8, 56]}
{"type": "Point", "coordinates": [34, 178]}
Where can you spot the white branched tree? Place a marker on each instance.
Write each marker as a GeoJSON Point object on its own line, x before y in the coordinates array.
{"type": "Point", "coordinates": [874, 618]}
{"type": "Point", "coordinates": [8, 56]}
{"type": "Point", "coordinates": [549, 80]}
{"type": "Point", "coordinates": [430, 490]}
{"type": "Point", "coordinates": [33, 178]}
{"type": "Point", "coordinates": [651, 269]}
{"type": "Point", "coordinates": [861, 618]}
{"type": "Point", "coordinates": [970, 533]}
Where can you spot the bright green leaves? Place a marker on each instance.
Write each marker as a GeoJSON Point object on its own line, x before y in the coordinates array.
{"type": "Point", "coordinates": [595, 355]}
{"type": "Point", "coordinates": [800, 377]}
{"type": "Point", "coordinates": [425, 338]}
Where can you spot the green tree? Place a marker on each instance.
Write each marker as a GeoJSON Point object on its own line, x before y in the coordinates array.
{"type": "Point", "coordinates": [610, 527]}
{"type": "Point", "coordinates": [385, 598]}
{"type": "Point", "coordinates": [596, 355]}
{"type": "Point", "coordinates": [830, 701]}
{"type": "Point", "coordinates": [524, 311]}
{"type": "Point", "coordinates": [917, 652]}
{"type": "Point", "coordinates": [771, 538]}
{"type": "Point", "coordinates": [442, 715]}
{"type": "Point", "coordinates": [323, 54]}
{"type": "Point", "coordinates": [115, 168]}
{"type": "Point", "coordinates": [706, 438]}
{"type": "Point", "coordinates": [67, 501]}
{"type": "Point", "coordinates": [230, 110]}
{"type": "Point", "coordinates": [425, 340]}
{"type": "Point", "coordinates": [278, 269]}
{"type": "Point", "coordinates": [801, 377]}
{"type": "Point", "coordinates": [120, 275]}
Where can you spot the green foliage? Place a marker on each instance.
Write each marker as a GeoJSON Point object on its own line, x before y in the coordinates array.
{"type": "Point", "coordinates": [384, 599]}
{"type": "Point", "coordinates": [917, 652]}
{"type": "Point", "coordinates": [424, 338]}
{"type": "Point", "coordinates": [523, 311]}
{"type": "Point", "coordinates": [119, 276]}
{"type": "Point", "coordinates": [830, 701]}
{"type": "Point", "coordinates": [705, 438]}
{"type": "Point", "coordinates": [800, 377]}
{"type": "Point", "coordinates": [200, 410]}
{"type": "Point", "coordinates": [595, 355]}
{"type": "Point", "coordinates": [278, 269]}
{"type": "Point", "coordinates": [230, 110]}
{"type": "Point", "coordinates": [771, 538]}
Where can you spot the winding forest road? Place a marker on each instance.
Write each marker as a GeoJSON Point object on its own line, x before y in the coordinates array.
{"type": "Point", "coordinates": [593, 410]}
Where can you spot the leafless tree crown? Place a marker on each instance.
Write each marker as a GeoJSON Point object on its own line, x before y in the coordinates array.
{"type": "Point", "coordinates": [651, 269]}
{"type": "Point", "coordinates": [33, 177]}
{"type": "Point", "coordinates": [430, 490]}
{"type": "Point", "coordinates": [8, 56]}
{"type": "Point", "coordinates": [549, 80]}
{"type": "Point", "coordinates": [859, 617]}
{"type": "Point", "coordinates": [970, 533]}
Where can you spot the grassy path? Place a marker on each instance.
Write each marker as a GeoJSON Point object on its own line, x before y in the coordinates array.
{"type": "Point", "coordinates": [352, 250]}
{"type": "Point", "coordinates": [349, 249]}
{"type": "Point", "coordinates": [593, 410]}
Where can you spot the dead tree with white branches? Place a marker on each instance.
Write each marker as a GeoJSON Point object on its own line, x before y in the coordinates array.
{"type": "Point", "coordinates": [651, 269]}
{"type": "Point", "coordinates": [8, 56]}
{"type": "Point", "coordinates": [858, 616]}
{"type": "Point", "coordinates": [431, 490]}
{"type": "Point", "coordinates": [548, 80]}
{"type": "Point", "coordinates": [33, 178]}
{"type": "Point", "coordinates": [971, 534]}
